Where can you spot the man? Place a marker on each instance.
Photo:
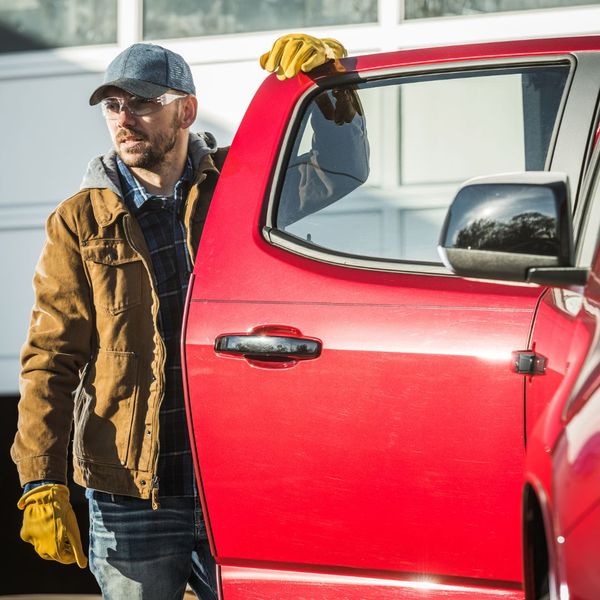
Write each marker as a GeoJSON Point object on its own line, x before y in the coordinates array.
{"type": "Point", "coordinates": [102, 355]}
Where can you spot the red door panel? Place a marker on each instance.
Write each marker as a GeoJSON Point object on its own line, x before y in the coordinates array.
{"type": "Point", "coordinates": [396, 453]}
{"type": "Point", "coordinates": [398, 449]}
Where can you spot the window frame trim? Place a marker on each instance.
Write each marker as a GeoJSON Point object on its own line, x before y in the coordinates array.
{"type": "Point", "coordinates": [277, 238]}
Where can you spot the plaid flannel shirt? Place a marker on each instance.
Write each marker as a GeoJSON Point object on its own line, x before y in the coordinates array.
{"type": "Point", "coordinates": [160, 219]}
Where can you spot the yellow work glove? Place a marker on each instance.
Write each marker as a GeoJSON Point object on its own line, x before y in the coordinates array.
{"type": "Point", "coordinates": [297, 52]}
{"type": "Point", "coordinates": [49, 524]}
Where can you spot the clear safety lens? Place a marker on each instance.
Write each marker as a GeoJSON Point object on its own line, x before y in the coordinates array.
{"type": "Point", "coordinates": [136, 106]}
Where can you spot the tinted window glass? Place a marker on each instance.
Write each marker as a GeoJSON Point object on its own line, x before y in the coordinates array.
{"type": "Point", "coordinates": [39, 24]}
{"type": "Point", "coordinates": [426, 135]}
{"type": "Point", "coordinates": [188, 18]}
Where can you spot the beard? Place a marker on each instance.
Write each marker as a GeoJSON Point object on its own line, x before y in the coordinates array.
{"type": "Point", "coordinates": [148, 150]}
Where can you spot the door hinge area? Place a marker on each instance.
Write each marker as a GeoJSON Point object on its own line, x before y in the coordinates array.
{"type": "Point", "coordinates": [527, 362]}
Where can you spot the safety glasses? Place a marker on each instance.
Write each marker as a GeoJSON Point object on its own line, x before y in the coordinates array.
{"type": "Point", "coordinates": [136, 106]}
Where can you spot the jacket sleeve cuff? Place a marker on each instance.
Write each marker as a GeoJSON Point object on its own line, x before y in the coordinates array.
{"type": "Point", "coordinates": [33, 484]}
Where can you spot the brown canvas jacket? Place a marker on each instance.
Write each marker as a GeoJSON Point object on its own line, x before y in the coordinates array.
{"type": "Point", "coordinates": [92, 365]}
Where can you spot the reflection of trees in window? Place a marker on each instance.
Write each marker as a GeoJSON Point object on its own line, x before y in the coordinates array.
{"type": "Point", "coordinates": [415, 9]}
{"type": "Point", "coordinates": [528, 233]}
{"type": "Point", "coordinates": [187, 18]}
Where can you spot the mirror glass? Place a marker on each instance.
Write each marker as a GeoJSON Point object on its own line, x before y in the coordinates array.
{"type": "Point", "coordinates": [513, 218]}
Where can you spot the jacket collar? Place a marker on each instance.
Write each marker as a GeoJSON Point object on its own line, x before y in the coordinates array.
{"type": "Point", "coordinates": [106, 205]}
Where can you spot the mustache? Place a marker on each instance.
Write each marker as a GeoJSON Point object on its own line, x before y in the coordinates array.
{"type": "Point", "coordinates": [125, 134]}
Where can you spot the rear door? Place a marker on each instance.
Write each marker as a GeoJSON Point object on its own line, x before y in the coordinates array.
{"type": "Point", "coordinates": [357, 423]}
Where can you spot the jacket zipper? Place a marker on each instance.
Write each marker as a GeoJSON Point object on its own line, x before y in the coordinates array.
{"type": "Point", "coordinates": [155, 427]}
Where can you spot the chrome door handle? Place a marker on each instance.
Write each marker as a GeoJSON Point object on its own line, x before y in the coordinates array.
{"type": "Point", "coordinates": [269, 344]}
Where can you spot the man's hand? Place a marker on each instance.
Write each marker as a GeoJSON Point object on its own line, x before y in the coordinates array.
{"type": "Point", "coordinates": [297, 52]}
{"type": "Point", "coordinates": [49, 524]}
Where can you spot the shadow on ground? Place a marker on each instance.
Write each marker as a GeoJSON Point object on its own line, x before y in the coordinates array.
{"type": "Point", "coordinates": [23, 571]}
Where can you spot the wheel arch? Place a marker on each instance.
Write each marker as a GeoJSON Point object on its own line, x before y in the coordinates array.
{"type": "Point", "coordinates": [539, 577]}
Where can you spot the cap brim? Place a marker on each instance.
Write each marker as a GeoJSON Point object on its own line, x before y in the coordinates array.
{"type": "Point", "coordinates": [144, 89]}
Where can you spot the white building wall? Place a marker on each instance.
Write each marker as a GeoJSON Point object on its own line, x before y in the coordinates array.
{"type": "Point", "coordinates": [50, 133]}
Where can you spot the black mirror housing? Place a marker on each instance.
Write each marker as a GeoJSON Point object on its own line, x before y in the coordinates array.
{"type": "Point", "coordinates": [502, 226]}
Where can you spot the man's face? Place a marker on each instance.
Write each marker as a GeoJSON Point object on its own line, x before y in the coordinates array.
{"type": "Point", "coordinates": [145, 141]}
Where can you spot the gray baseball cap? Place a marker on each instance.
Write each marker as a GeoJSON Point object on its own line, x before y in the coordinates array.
{"type": "Point", "coordinates": [148, 71]}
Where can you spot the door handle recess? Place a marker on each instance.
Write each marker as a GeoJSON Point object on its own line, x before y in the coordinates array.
{"type": "Point", "coordinates": [271, 344]}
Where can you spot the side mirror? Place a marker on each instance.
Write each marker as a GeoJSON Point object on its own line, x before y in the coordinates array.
{"type": "Point", "coordinates": [513, 227]}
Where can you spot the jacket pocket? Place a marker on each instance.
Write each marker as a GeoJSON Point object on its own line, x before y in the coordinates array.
{"type": "Point", "coordinates": [105, 407]}
{"type": "Point", "coordinates": [115, 273]}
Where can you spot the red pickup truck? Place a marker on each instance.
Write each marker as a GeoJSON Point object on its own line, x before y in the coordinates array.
{"type": "Point", "coordinates": [361, 414]}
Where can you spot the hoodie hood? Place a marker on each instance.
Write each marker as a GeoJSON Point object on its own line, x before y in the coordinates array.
{"type": "Point", "coordinates": [102, 171]}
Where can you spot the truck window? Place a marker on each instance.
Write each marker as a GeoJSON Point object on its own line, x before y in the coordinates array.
{"type": "Point", "coordinates": [378, 183]}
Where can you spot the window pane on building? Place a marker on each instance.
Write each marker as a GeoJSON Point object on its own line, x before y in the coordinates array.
{"type": "Point", "coordinates": [190, 18]}
{"type": "Point", "coordinates": [39, 24]}
{"type": "Point", "coordinates": [417, 9]}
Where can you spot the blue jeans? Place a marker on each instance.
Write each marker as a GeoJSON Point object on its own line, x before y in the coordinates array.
{"type": "Point", "coordinates": [137, 553]}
